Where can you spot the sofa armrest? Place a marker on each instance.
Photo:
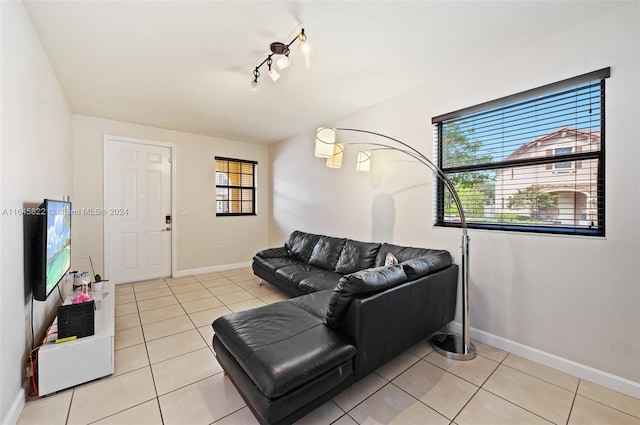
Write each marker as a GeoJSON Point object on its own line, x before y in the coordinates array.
{"type": "Point", "coordinates": [273, 252]}
{"type": "Point", "coordinates": [360, 283]}
{"type": "Point", "coordinates": [426, 264]}
{"type": "Point", "coordinates": [387, 323]}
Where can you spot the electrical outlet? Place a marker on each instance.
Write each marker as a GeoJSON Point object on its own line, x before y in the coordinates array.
{"type": "Point", "coordinates": [219, 247]}
{"type": "Point", "coordinates": [28, 372]}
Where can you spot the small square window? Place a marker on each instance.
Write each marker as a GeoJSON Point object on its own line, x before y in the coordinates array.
{"type": "Point", "coordinates": [235, 187]}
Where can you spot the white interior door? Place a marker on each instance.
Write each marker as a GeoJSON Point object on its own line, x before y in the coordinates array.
{"type": "Point", "coordinates": [138, 218]}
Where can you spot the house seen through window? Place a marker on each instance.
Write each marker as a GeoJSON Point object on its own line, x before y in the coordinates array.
{"type": "Point", "coordinates": [235, 187]}
{"type": "Point", "coordinates": [531, 162]}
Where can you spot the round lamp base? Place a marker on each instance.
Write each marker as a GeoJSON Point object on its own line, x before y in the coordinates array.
{"type": "Point", "coordinates": [453, 347]}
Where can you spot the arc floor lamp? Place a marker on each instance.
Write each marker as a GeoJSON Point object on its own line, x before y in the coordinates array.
{"type": "Point", "coordinates": [449, 345]}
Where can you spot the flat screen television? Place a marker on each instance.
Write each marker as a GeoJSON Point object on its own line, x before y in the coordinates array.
{"type": "Point", "coordinates": [52, 256]}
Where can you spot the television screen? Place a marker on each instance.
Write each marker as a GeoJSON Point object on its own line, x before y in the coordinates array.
{"type": "Point", "coordinates": [58, 242]}
{"type": "Point", "coordinates": [56, 228]}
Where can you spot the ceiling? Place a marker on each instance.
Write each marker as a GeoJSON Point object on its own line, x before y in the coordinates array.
{"type": "Point", "coordinates": [187, 65]}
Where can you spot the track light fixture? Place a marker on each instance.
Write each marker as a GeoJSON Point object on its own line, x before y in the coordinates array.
{"type": "Point", "coordinates": [280, 49]}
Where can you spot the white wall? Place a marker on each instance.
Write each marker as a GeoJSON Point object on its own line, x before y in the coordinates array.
{"type": "Point", "coordinates": [35, 158]}
{"type": "Point", "coordinates": [576, 299]}
{"type": "Point", "coordinates": [196, 226]}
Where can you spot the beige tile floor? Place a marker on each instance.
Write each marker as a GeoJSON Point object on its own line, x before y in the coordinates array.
{"type": "Point", "coordinates": [166, 373]}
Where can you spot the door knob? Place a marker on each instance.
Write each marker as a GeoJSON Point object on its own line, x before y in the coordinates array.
{"type": "Point", "coordinates": [166, 229]}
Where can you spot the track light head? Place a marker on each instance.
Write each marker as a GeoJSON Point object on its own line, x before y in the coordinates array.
{"type": "Point", "coordinates": [284, 61]}
{"type": "Point", "coordinates": [254, 80]}
{"type": "Point", "coordinates": [272, 71]}
{"type": "Point", "coordinates": [304, 46]}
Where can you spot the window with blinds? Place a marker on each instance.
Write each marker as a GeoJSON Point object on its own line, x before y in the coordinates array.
{"type": "Point", "coordinates": [531, 162]}
{"type": "Point", "coordinates": [235, 187]}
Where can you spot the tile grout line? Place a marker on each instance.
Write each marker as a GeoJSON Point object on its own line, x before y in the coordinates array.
{"type": "Point", "coordinates": [509, 401]}
{"type": "Point", "coordinates": [481, 385]}
{"type": "Point", "coordinates": [544, 380]}
{"type": "Point", "coordinates": [210, 348]}
{"type": "Point", "coordinates": [232, 413]}
{"type": "Point", "coordinates": [69, 408]}
{"type": "Point", "coordinates": [155, 388]}
{"type": "Point", "coordinates": [387, 383]}
{"type": "Point", "coordinates": [157, 397]}
{"type": "Point", "coordinates": [573, 402]}
{"type": "Point", "coordinates": [575, 393]}
{"type": "Point", "coordinates": [150, 371]}
{"type": "Point", "coordinates": [122, 411]}
{"type": "Point", "coordinates": [418, 400]}
{"type": "Point", "coordinates": [146, 349]}
{"type": "Point", "coordinates": [608, 405]}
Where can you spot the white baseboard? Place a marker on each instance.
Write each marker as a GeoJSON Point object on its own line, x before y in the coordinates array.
{"type": "Point", "coordinates": [202, 270]}
{"type": "Point", "coordinates": [16, 408]}
{"type": "Point", "coordinates": [578, 370]}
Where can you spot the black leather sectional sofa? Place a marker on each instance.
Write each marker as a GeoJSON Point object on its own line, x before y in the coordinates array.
{"type": "Point", "coordinates": [350, 314]}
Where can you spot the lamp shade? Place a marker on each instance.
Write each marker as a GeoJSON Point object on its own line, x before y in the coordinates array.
{"type": "Point", "coordinates": [335, 161]}
{"type": "Point", "coordinates": [325, 140]}
{"type": "Point", "coordinates": [304, 47]}
{"type": "Point", "coordinates": [363, 161]}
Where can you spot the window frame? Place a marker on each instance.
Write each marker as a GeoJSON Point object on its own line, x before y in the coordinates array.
{"type": "Point", "coordinates": [231, 187]}
{"type": "Point", "coordinates": [440, 217]}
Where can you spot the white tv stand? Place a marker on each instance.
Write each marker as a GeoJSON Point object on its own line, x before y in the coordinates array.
{"type": "Point", "coordinates": [72, 363]}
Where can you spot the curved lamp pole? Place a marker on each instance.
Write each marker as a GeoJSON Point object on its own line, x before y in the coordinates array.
{"type": "Point", "coordinates": [451, 346]}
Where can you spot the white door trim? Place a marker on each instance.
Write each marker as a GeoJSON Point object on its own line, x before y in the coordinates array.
{"type": "Point", "coordinates": [106, 139]}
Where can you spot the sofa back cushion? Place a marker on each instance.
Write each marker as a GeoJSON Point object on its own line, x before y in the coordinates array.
{"type": "Point", "coordinates": [402, 253]}
{"type": "Point", "coordinates": [417, 261]}
{"type": "Point", "coordinates": [326, 252]}
{"type": "Point", "coordinates": [356, 256]}
{"type": "Point", "coordinates": [422, 266]}
{"type": "Point", "coordinates": [358, 283]}
{"type": "Point", "coordinates": [300, 245]}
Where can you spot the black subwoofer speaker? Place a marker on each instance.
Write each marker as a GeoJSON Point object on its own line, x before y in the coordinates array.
{"type": "Point", "coordinates": [76, 320]}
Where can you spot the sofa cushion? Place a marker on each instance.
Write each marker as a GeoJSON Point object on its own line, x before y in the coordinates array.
{"type": "Point", "coordinates": [422, 266]}
{"type": "Point", "coordinates": [315, 303]}
{"type": "Point", "coordinates": [291, 275]}
{"type": "Point", "coordinates": [281, 346]}
{"type": "Point", "coordinates": [362, 282]}
{"type": "Point", "coordinates": [274, 263]}
{"type": "Point", "coordinates": [305, 278]}
{"type": "Point", "coordinates": [300, 245]}
{"type": "Point", "coordinates": [356, 256]}
{"type": "Point", "coordinates": [319, 281]}
{"type": "Point", "coordinates": [326, 252]}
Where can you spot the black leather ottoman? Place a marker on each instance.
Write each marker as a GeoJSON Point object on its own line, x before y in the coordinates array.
{"type": "Point", "coordinates": [283, 359]}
